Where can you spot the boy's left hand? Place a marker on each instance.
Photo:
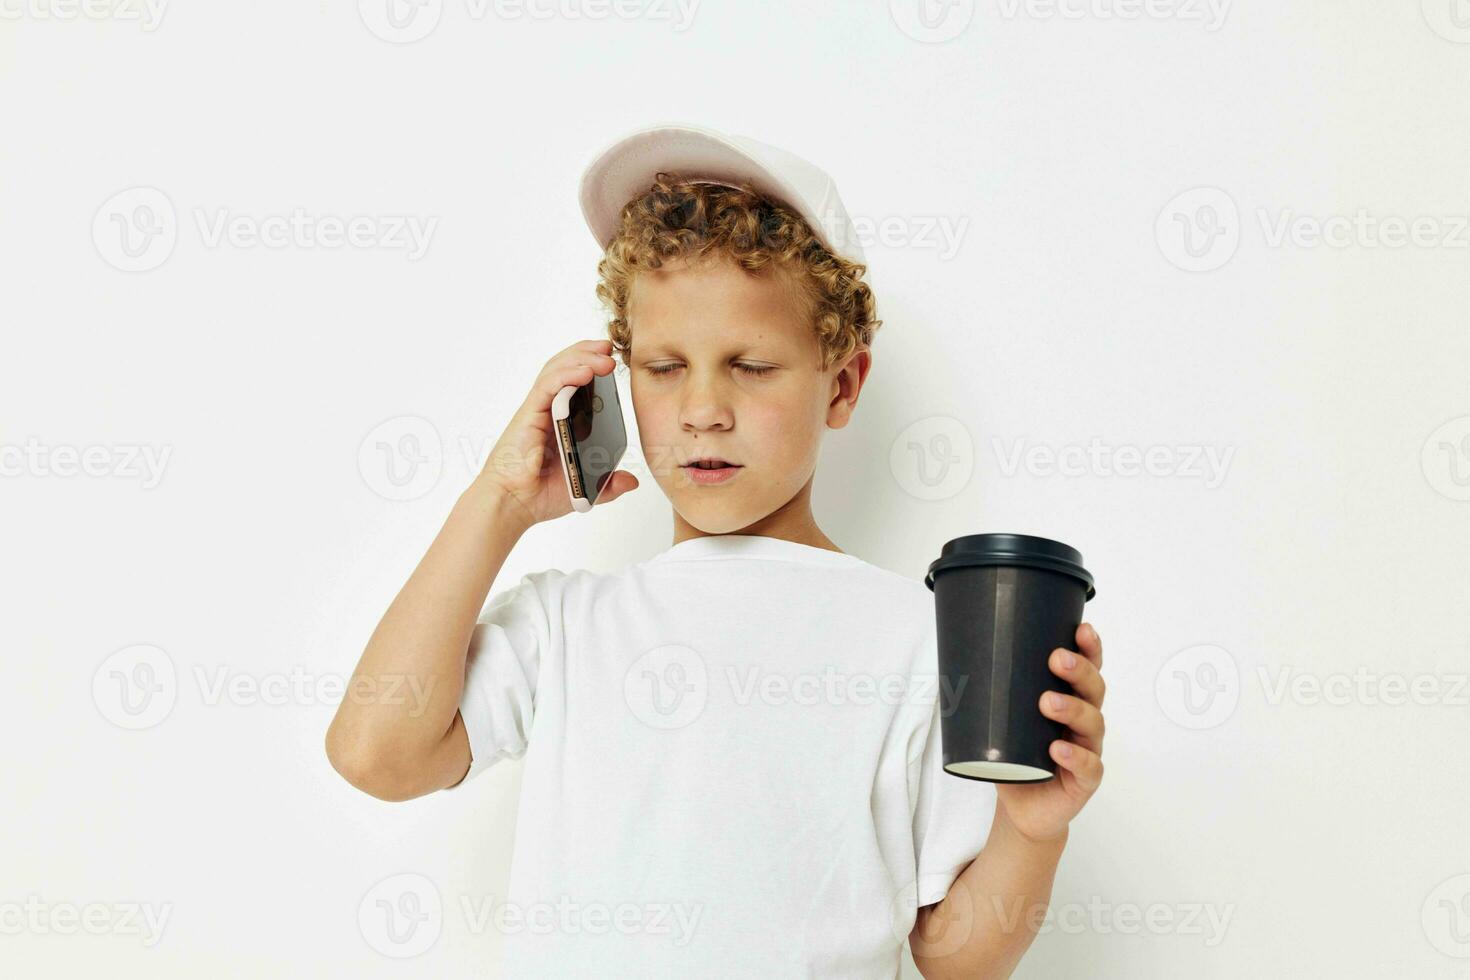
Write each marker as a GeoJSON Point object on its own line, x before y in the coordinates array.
{"type": "Point", "coordinates": [1042, 811]}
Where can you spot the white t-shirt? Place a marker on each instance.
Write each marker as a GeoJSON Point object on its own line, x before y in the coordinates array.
{"type": "Point", "coordinates": [732, 764]}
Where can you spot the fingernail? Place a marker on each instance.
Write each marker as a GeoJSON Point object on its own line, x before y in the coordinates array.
{"type": "Point", "coordinates": [1053, 701]}
{"type": "Point", "coordinates": [1064, 750]}
{"type": "Point", "coordinates": [1069, 660]}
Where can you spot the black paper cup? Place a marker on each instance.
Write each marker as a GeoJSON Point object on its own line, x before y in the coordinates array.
{"type": "Point", "coordinates": [1002, 604]}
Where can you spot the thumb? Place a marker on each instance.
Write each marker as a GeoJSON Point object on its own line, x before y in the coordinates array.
{"type": "Point", "coordinates": [618, 484]}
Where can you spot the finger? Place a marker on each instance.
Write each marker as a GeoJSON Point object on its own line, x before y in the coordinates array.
{"type": "Point", "coordinates": [601, 362]}
{"type": "Point", "coordinates": [1085, 720]}
{"type": "Point", "coordinates": [603, 346]}
{"type": "Point", "coordinates": [619, 483]}
{"type": "Point", "coordinates": [1079, 672]}
{"type": "Point", "coordinates": [575, 368]}
{"type": "Point", "coordinates": [1090, 643]}
{"type": "Point", "coordinates": [1085, 765]}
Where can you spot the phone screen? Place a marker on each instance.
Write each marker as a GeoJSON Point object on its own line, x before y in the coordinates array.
{"type": "Point", "coordinates": [595, 417]}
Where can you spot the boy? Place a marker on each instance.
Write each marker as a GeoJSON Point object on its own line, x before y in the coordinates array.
{"type": "Point", "coordinates": [732, 755]}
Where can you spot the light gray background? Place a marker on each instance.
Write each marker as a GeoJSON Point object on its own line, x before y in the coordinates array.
{"type": "Point", "coordinates": [1072, 149]}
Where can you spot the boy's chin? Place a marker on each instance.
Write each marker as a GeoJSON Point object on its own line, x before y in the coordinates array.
{"type": "Point", "coordinates": [709, 518]}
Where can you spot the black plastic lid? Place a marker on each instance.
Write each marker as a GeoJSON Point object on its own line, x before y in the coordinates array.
{"type": "Point", "coordinates": [1025, 550]}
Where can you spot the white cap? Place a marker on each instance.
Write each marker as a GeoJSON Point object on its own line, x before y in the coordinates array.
{"type": "Point", "coordinates": [626, 169]}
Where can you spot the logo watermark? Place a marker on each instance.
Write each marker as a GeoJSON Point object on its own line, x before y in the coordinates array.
{"type": "Point", "coordinates": [669, 686]}
{"type": "Point", "coordinates": [302, 688]}
{"type": "Point", "coordinates": [136, 230]}
{"type": "Point", "coordinates": [405, 457]}
{"type": "Point", "coordinates": [1362, 686]}
{"type": "Point", "coordinates": [1363, 229]}
{"type": "Point", "coordinates": [1445, 459]}
{"type": "Point", "coordinates": [407, 21]}
{"type": "Point", "coordinates": [932, 458]}
{"type": "Point", "coordinates": [1200, 687]}
{"type": "Point", "coordinates": [1206, 463]}
{"type": "Point", "coordinates": [401, 916]}
{"type": "Point", "coordinates": [120, 461]}
{"type": "Point", "coordinates": [144, 921]}
{"type": "Point", "coordinates": [932, 21]}
{"type": "Point", "coordinates": [1099, 916]}
{"type": "Point", "coordinates": [137, 687]}
{"type": "Point", "coordinates": [147, 14]}
{"type": "Point", "coordinates": [947, 926]}
{"type": "Point", "coordinates": [833, 686]}
{"type": "Point", "coordinates": [1445, 916]}
{"type": "Point", "coordinates": [675, 922]}
{"type": "Point", "coordinates": [1200, 230]}
{"type": "Point", "coordinates": [300, 229]}
{"type": "Point", "coordinates": [1211, 14]}
{"type": "Point", "coordinates": [1450, 19]}
{"type": "Point", "coordinates": [942, 234]}
{"type": "Point", "coordinates": [404, 915]}
{"type": "Point", "coordinates": [402, 458]}
{"type": "Point", "coordinates": [937, 21]}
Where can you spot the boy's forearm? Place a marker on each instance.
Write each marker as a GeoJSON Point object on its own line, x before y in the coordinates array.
{"type": "Point", "coordinates": [988, 920]}
{"type": "Point", "coordinates": [402, 699]}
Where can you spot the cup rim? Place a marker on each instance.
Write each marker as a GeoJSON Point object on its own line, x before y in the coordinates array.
{"type": "Point", "coordinates": [1019, 550]}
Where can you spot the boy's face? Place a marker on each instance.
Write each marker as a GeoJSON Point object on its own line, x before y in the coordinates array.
{"type": "Point", "coordinates": [702, 338]}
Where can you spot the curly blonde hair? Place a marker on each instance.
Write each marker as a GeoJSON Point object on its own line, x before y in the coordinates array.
{"type": "Point", "coordinates": [679, 218]}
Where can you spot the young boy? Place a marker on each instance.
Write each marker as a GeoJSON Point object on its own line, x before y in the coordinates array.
{"type": "Point", "coordinates": [732, 749]}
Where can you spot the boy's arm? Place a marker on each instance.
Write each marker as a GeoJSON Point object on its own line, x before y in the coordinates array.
{"type": "Point", "coordinates": [983, 927]}
{"type": "Point", "coordinates": [993, 910]}
{"type": "Point", "coordinates": [397, 748]}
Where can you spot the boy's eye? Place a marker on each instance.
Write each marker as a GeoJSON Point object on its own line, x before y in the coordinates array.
{"type": "Point", "coordinates": [751, 369]}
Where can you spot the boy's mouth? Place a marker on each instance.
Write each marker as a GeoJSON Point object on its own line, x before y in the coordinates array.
{"type": "Point", "coordinates": [710, 470]}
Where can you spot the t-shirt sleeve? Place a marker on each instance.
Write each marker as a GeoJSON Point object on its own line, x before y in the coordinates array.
{"type": "Point", "coordinates": [951, 819]}
{"type": "Point", "coordinates": [516, 640]}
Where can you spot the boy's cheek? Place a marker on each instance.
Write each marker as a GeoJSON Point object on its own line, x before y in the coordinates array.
{"type": "Point", "coordinates": [660, 457]}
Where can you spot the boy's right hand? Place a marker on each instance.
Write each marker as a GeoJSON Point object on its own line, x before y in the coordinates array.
{"type": "Point", "coordinates": [526, 462]}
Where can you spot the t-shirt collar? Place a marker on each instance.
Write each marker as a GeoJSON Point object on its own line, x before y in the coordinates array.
{"type": "Point", "coordinates": [753, 546]}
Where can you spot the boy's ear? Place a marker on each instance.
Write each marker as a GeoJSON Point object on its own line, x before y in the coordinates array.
{"type": "Point", "coordinates": [847, 383]}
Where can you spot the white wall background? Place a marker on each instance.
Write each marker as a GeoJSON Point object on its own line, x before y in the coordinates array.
{"type": "Point", "coordinates": [1243, 829]}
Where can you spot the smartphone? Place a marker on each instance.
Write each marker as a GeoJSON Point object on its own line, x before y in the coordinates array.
{"type": "Point", "coordinates": [589, 429]}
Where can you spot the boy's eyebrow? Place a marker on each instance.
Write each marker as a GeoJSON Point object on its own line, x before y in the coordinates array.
{"type": "Point", "coordinates": [745, 346]}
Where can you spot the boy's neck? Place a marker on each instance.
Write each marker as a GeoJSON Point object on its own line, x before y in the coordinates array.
{"type": "Point", "coordinates": [792, 522]}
